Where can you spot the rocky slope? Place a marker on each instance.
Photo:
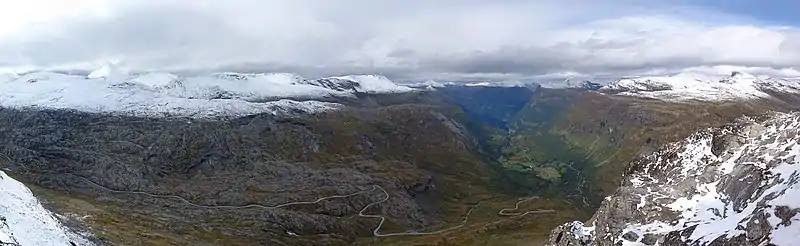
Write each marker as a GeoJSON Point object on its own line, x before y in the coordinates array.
{"type": "Point", "coordinates": [23, 220]}
{"type": "Point", "coordinates": [185, 181]}
{"type": "Point", "coordinates": [317, 179]}
{"type": "Point", "coordinates": [364, 161]}
{"type": "Point", "coordinates": [733, 185]}
{"type": "Point", "coordinates": [159, 159]}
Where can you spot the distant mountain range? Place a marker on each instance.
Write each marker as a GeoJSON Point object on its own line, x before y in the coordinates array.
{"type": "Point", "coordinates": [275, 158]}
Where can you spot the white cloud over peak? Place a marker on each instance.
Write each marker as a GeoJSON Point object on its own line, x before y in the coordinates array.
{"type": "Point", "coordinates": [412, 39]}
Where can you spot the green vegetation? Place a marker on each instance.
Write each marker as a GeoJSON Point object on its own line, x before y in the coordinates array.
{"type": "Point", "coordinates": [568, 146]}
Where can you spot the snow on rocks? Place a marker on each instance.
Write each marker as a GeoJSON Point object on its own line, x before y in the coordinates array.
{"type": "Point", "coordinates": [695, 86]}
{"type": "Point", "coordinates": [112, 91]}
{"type": "Point", "coordinates": [374, 84]}
{"type": "Point", "coordinates": [23, 220]}
{"type": "Point", "coordinates": [427, 85]}
{"type": "Point", "coordinates": [736, 185]}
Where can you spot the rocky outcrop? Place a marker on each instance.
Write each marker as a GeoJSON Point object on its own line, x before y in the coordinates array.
{"type": "Point", "coordinates": [259, 179]}
{"type": "Point", "coordinates": [733, 185]}
{"type": "Point", "coordinates": [583, 85]}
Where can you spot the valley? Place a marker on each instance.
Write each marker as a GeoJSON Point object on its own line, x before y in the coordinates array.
{"type": "Point", "coordinates": [447, 165]}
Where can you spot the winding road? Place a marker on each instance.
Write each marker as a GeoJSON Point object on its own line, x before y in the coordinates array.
{"type": "Point", "coordinates": [516, 207]}
{"type": "Point", "coordinates": [376, 232]}
{"type": "Point", "coordinates": [223, 206]}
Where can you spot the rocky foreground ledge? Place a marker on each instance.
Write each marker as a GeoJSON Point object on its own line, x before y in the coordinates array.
{"type": "Point", "coordinates": [734, 185]}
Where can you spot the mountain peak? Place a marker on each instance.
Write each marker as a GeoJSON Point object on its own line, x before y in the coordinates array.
{"type": "Point", "coordinates": [583, 84]}
{"type": "Point", "coordinates": [738, 77]}
{"type": "Point", "coordinates": [739, 74]}
{"type": "Point", "coordinates": [368, 83]}
{"type": "Point", "coordinates": [108, 71]}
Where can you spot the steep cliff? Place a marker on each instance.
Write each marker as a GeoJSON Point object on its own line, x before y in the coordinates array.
{"type": "Point", "coordinates": [730, 185]}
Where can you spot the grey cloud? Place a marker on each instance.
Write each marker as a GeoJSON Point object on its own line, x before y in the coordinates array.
{"type": "Point", "coordinates": [405, 40]}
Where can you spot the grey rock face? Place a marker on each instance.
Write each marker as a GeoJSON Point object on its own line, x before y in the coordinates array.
{"type": "Point", "coordinates": [736, 185]}
{"type": "Point", "coordinates": [177, 172]}
{"type": "Point", "coordinates": [338, 84]}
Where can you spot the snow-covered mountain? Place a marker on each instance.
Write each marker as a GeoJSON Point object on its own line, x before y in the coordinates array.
{"type": "Point", "coordinates": [694, 86]}
{"type": "Point", "coordinates": [374, 84]}
{"type": "Point", "coordinates": [582, 84]}
{"type": "Point", "coordinates": [735, 185]}
{"type": "Point", "coordinates": [110, 90]}
{"type": "Point", "coordinates": [428, 85]}
{"type": "Point", "coordinates": [24, 222]}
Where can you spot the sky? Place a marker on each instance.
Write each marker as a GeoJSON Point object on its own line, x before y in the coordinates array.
{"type": "Point", "coordinates": [406, 40]}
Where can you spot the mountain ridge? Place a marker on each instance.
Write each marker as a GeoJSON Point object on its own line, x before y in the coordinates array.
{"type": "Point", "coordinates": [207, 96]}
{"type": "Point", "coordinates": [437, 152]}
{"type": "Point", "coordinates": [733, 185]}
{"type": "Point", "coordinates": [692, 86]}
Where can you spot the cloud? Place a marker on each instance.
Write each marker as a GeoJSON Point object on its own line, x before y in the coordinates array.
{"type": "Point", "coordinates": [406, 40]}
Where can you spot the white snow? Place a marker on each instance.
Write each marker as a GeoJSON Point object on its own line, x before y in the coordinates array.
{"type": "Point", "coordinates": [479, 84]}
{"type": "Point", "coordinates": [375, 84]}
{"type": "Point", "coordinates": [509, 83]}
{"type": "Point", "coordinates": [59, 91]}
{"type": "Point", "coordinates": [250, 87]}
{"type": "Point", "coordinates": [109, 72]}
{"type": "Point", "coordinates": [706, 207]}
{"type": "Point", "coordinates": [111, 90]}
{"type": "Point", "coordinates": [581, 232]}
{"type": "Point", "coordinates": [157, 80]}
{"type": "Point", "coordinates": [7, 76]}
{"type": "Point", "coordinates": [703, 87]}
{"type": "Point", "coordinates": [428, 84]}
{"type": "Point", "coordinates": [26, 221]}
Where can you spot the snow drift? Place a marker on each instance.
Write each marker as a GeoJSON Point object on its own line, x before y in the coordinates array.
{"type": "Point", "coordinates": [24, 222]}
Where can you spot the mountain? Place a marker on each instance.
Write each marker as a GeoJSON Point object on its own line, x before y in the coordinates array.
{"type": "Point", "coordinates": [360, 83]}
{"type": "Point", "coordinates": [583, 85]}
{"type": "Point", "coordinates": [731, 185]}
{"type": "Point", "coordinates": [412, 160]}
{"type": "Point", "coordinates": [277, 159]}
{"type": "Point", "coordinates": [428, 85]}
{"type": "Point", "coordinates": [205, 96]}
{"type": "Point", "coordinates": [688, 86]}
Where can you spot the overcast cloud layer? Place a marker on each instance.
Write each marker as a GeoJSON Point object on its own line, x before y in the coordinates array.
{"type": "Point", "coordinates": [405, 40]}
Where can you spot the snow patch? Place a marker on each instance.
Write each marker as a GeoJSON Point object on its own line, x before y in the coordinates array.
{"type": "Point", "coordinates": [25, 222]}
{"type": "Point", "coordinates": [581, 232]}
{"type": "Point", "coordinates": [710, 211]}
{"type": "Point", "coordinates": [109, 72]}
{"type": "Point", "coordinates": [749, 191]}
{"type": "Point", "coordinates": [428, 85]}
{"type": "Point", "coordinates": [479, 84]}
